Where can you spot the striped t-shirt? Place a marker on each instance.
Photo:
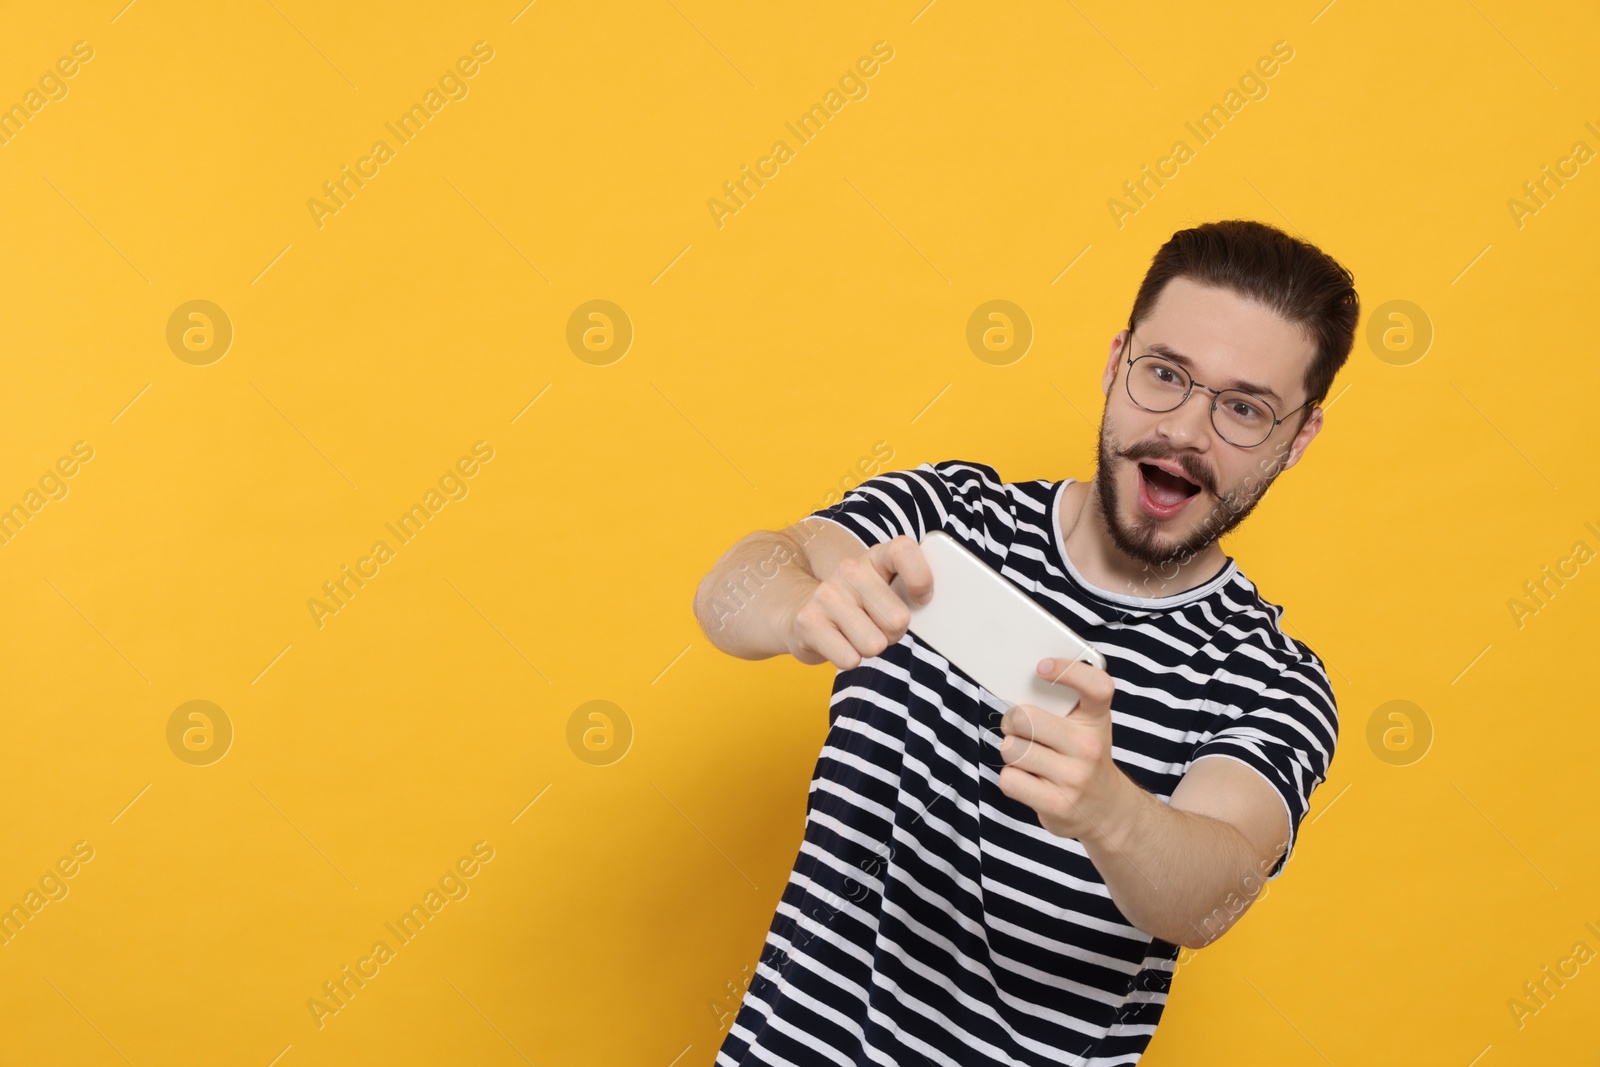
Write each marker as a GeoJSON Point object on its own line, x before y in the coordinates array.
{"type": "Point", "coordinates": [929, 918]}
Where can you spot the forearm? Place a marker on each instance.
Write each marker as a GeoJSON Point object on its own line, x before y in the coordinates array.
{"type": "Point", "coordinates": [744, 602]}
{"type": "Point", "coordinates": [1182, 877]}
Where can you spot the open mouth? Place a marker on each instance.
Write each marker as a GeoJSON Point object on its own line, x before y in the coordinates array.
{"type": "Point", "coordinates": [1167, 491]}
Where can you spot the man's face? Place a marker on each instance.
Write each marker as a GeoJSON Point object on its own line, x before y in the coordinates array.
{"type": "Point", "coordinates": [1226, 340]}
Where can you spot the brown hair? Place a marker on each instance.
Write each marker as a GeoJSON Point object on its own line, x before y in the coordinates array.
{"type": "Point", "coordinates": [1291, 277]}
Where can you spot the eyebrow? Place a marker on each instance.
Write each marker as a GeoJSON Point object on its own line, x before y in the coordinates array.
{"type": "Point", "coordinates": [1263, 391]}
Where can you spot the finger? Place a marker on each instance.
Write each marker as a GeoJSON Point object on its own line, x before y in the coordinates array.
{"type": "Point", "coordinates": [876, 600]}
{"type": "Point", "coordinates": [903, 556]}
{"type": "Point", "coordinates": [1068, 740]}
{"type": "Point", "coordinates": [1093, 685]}
{"type": "Point", "coordinates": [820, 631]}
{"type": "Point", "coordinates": [840, 602]}
{"type": "Point", "coordinates": [1048, 797]}
{"type": "Point", "coordinates": [838, 649]}
{"type": "Point", "coordinates": [1033, 723]}
{"type": "Point", "coordinates": [1032, 755]}
{"type": "Point", "coordinates": [1038, 793]}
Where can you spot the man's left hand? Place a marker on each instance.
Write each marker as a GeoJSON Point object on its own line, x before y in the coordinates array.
{"type": "Point", "coordinates": [1061, 766]}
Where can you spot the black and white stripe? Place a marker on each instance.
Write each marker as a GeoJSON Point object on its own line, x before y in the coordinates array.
{"type": "Point", "coordinates": [929, 918]}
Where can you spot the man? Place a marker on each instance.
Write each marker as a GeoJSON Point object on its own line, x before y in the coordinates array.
{"type": "Point", "coordinates": [984, 885]}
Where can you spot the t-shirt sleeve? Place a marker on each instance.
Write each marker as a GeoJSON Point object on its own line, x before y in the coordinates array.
{"type": "Point", "coordinates": [965, 500]}
{"type": "Point", "coordinates": [1276, 714]}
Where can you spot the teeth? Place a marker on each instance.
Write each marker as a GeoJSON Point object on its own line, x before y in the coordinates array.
{"type": "Point", "coordinates": [1163, 470]}
{"type": "Point", "coordinates": [1183, 478]}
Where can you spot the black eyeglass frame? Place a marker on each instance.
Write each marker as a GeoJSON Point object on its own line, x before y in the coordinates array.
{"type": "Point", "coordinates": [1216, 394]}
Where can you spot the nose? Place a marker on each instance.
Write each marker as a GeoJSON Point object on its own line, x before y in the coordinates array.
{"type": "Point", "coordinates": [1189, 424]}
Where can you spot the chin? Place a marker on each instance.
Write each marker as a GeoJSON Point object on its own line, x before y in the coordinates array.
{"type": "Point", "coordinates": [1158, 542]}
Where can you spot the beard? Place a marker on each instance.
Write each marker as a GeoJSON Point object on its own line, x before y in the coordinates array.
{"type": "Point", "coordinates": [1142, 540]}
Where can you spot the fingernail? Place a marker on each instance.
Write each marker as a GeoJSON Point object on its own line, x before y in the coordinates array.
{"type": "Point", "coordinates": [1047, 666]}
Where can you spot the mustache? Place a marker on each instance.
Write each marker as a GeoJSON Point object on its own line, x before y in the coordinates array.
{"type": "Point", "coordinates": [1192, 467]}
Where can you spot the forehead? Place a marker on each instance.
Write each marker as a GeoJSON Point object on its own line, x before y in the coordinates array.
{"type": "Point", "coordinates": [1228, 338]}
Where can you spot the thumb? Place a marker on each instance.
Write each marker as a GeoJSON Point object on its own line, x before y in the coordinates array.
{"type": "Point", "coordinates": [1093, 685]}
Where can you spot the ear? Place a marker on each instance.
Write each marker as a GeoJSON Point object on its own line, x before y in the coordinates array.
{"type": "Point", "coordinates": [1302, 440]}
{"type": "Point", "coordinates": [1113, 361]}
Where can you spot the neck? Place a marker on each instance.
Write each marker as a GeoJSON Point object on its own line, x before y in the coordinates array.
{"type": "Point", "coordinates": [1088, 543]}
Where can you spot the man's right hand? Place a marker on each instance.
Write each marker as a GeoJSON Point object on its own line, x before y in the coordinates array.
{"type": "Point", "coordinates": [853, 614]}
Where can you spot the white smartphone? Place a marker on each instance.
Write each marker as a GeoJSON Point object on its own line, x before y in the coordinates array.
{"type": "Point", "coordinates": [983, 623]}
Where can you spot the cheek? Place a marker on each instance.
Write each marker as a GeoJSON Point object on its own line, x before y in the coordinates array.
{"type": "Point", "coordinates": [1240, 485]}
{"type": "Point", "coordinates": [1117, 429]}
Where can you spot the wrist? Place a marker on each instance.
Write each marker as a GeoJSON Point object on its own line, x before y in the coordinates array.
{"type": "Point", "coordinates": [1126, 803]}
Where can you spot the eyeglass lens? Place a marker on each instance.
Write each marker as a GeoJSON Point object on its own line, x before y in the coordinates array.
{"type": "Point", "coordinates": [1159, 385]}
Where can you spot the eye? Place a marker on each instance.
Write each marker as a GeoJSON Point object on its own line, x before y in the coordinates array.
{"type": "Point", "coordinates": [1245, 410]}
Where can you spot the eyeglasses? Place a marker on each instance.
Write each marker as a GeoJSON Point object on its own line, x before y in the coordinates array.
{"type": "Point", "coordinates": [1240, 418]}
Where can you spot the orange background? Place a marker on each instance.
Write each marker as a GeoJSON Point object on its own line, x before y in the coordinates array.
{"type": "Point", "coordinates": [636, 859]}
